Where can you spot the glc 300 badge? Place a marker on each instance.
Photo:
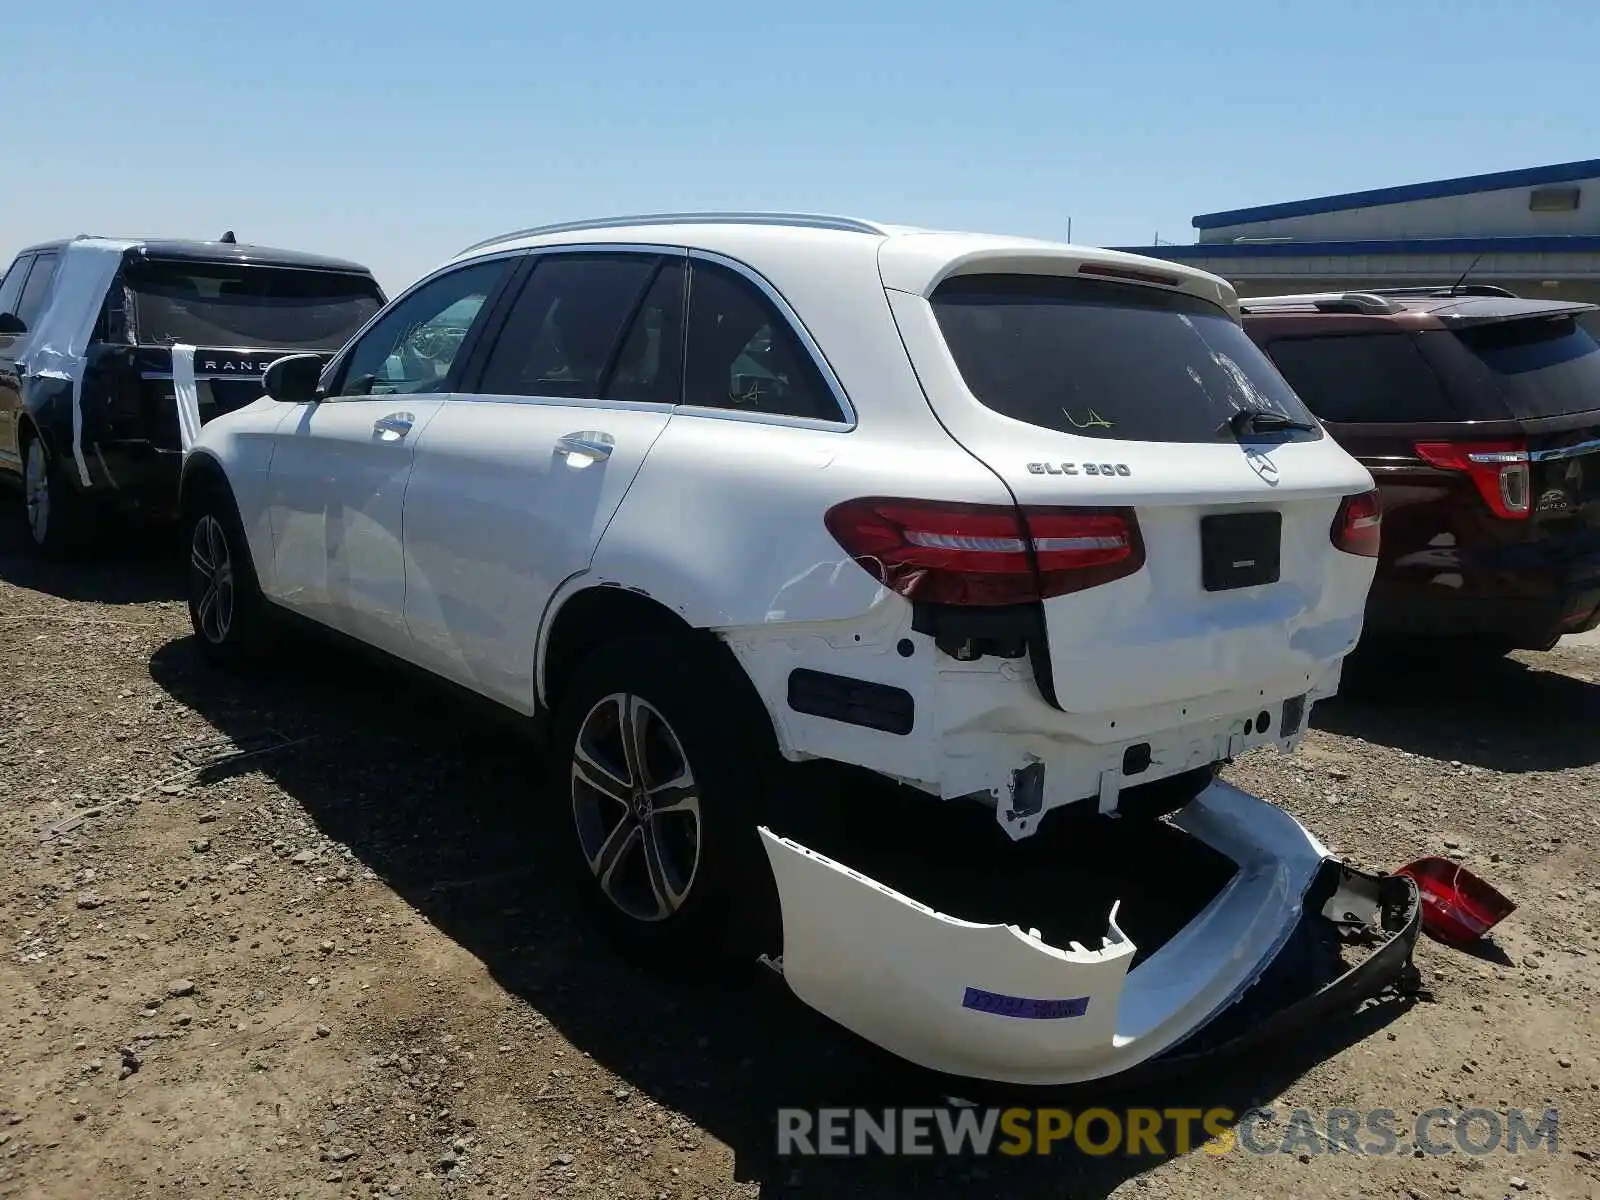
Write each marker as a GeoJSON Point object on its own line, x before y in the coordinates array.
{"type": "Point", "coordinates": [1087, 468]}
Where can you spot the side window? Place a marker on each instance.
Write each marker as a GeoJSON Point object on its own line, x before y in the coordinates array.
{"type": "Point", "coordinates": [36, 291]}
{"type": "Point", "coordinates": [743, 355]}
{"type": "Point", "coordinates": [564, 329]}
{"type": "Point", "coordinates": [410, 349]}
{"type": "Point", "coordinates": [649, 368]}
{"type": "Point", "coordinates": [1376, 378]}
{"type": "Point", "coordinates": [11, 285]}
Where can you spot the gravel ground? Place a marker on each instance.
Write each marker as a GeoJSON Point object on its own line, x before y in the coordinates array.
{"type": "Point", "coordinates": [345, 966]}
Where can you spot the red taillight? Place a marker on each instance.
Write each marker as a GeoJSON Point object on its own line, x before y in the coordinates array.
{"type": "Point", "coordinates": [1498, 469]}
{"type": "Point", "coordinates": [985, 554]}
{"type": "Point", "coordinates": [1358, 524]}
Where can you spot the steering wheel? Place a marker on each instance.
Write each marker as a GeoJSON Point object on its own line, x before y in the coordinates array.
{"type": "Point", "coordinates": [436, 341]}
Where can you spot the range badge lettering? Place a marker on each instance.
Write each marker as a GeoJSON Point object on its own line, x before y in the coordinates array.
{"type": "Point", "coordinates": [1088, 468]}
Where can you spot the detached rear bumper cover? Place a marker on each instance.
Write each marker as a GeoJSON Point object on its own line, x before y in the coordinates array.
{"type": "Point", "coordinates": [996, 1002]}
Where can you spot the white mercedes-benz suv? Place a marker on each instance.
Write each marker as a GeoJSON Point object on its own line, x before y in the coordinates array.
{"type": "Point", "coordinates": [1021, 522]}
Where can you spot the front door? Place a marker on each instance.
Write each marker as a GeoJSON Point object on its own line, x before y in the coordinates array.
{"type": "Point", "coordinates": [517, 478]}
{"type": "Point", "coordinates": [337, 483]}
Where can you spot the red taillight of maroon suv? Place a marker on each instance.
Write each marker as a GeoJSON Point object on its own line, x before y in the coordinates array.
{"type": "Point", "coordinates": [1498, 469]}
{"type": "Point", "coordinates": [986, 554]}
{"type": "Point", "coordinates": [1358, 524]}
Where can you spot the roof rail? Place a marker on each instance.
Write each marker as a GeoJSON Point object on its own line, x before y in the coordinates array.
{"type": "Point", "coordinates": [1364, 302]}
{"type": "Point", "coordinates": [1447, 289]}
{"type": "Point", "coordinates": [800, 220]}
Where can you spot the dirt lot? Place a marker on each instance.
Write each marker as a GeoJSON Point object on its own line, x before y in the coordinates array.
{"type": "Point", "coordinates": [346, 966]}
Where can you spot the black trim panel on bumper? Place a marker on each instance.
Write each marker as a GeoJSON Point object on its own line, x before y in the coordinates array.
{"type": "Point", "coordinates": [852, 701]}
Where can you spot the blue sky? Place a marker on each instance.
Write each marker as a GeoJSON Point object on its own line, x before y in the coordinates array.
{"type": "Point", "coordinates": [397, 132]}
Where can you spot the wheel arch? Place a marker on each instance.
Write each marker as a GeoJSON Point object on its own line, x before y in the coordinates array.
{"type": "Point", "coordinates": [27, 430]}
{"type": "Point", "coordinates": [588, 615]}
{"type": "Point", "coordinates": [30, 429]}
{"type": "Point", "coordinates": [204, 473]}
{"type": "Point", "coordinates": [200, 471]}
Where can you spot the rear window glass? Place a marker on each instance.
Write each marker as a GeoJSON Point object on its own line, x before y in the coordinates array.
{"type": "Point", "coordinates": [1108, 360]}
{"type": "Point", "coordinates": [1377, 378]}
{"type": "Point", "coordinates": [278, 307]}
{"type": "Point", "coordinates": [1544, 367]}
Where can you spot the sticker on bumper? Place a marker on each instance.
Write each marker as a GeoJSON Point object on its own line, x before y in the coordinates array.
{"type": "Point", "coordinates": [1023, 1007]}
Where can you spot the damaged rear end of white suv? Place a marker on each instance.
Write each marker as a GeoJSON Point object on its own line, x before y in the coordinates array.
{"type": "Point", "coordinates": [1058, 541]}
{"type": "Point", "coordinates": [1178, 577]}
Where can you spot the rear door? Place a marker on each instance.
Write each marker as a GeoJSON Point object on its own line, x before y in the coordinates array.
{"type": "Point", "coordinates": [1122, 399]}
{"type": "Point", "coordinates": [30, 306]}
{"type": "Point", "coordinates": [521, 470]}
{"type": "Point", "coordinates": [10, 375]}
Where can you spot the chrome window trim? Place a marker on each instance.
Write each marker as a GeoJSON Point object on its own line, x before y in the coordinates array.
{"type": "Point", "coordinates": [757, 418]}
{"type": "Point", "coordinates": [552, 401]}
{"type": "Point", "coordinates": [603, 248]}
{"type": "Point", "coordinates": [785, 310]}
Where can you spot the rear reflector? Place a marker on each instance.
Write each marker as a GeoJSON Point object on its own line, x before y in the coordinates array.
{"type": "Point", "coordinates": [1498, 469]}
{"type": "Point", "coordinates": [1358, 524]}
{"type": "Point", "coordinates": [1457, 907]}
{"type": "Point", "coordinates": [985, 554]}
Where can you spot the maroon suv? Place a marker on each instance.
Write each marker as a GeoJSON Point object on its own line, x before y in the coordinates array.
{"type": "Point", "coordinates": [1478, 413]}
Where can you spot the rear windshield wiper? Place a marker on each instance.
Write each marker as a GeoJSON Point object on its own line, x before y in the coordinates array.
{"type": "Point", "coordinates": [1263, 420]}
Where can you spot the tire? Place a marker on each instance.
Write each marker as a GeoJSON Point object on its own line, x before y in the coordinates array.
{"type": "Point", "coordinates": [60, 518]}
{"type": "Point", "coordinates": [226, 609]}
{"type": "Point", "coordinates": [679, 876]}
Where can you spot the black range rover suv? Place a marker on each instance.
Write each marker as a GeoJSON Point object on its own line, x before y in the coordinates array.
{"type": "Point", "coordinates": [89, 408]}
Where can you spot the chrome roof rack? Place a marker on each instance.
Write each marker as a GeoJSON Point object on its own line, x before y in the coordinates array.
{"type": "Point", "coordinates": [1361, 302]}
{"type": "Point", "coordinates": [1446, 290]}
{"type": "Point", "coordinates": [798, 220]}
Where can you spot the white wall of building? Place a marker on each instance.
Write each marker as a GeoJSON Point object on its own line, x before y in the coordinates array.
{"type": "Point", "coordinates": [1503, 213]}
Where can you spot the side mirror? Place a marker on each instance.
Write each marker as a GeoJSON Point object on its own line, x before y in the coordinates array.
{"type": "Point", "coordinates": [12, 325]}
{"type": "Point", "coordinates": [293, 378]}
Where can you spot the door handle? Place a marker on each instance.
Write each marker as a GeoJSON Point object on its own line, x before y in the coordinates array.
{"type": "Point", "coordinates": [587, 444]}
{"type": "Point", "coordinates": [393, 428]}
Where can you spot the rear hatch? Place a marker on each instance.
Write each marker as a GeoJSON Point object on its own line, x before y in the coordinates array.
{"type": "Point", "coordinates": [238, 318]}
{"type": "Point", "coordinates": [1184, 547]}
{"type": "Point", "coordinates": [1540, 369]}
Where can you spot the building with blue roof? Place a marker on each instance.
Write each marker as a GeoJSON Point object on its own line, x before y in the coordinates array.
{"type": "Point", "coordinates": [1535, 231]}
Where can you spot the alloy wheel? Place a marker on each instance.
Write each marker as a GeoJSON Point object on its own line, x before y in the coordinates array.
{"type": "Point", "coordinates": [211, 579]}
{"type": "Point", "coordinates": [636, 806]}
{"type": "Point", "coordinates": [36, 491]}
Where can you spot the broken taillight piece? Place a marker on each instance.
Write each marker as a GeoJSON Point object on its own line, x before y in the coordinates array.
{"type": "Point", "coordinates": [986, 554]}
{"type": "Point", "coordinates": [1458, 908]}
{"type": "Point", "coordinates": [1498, 469]}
